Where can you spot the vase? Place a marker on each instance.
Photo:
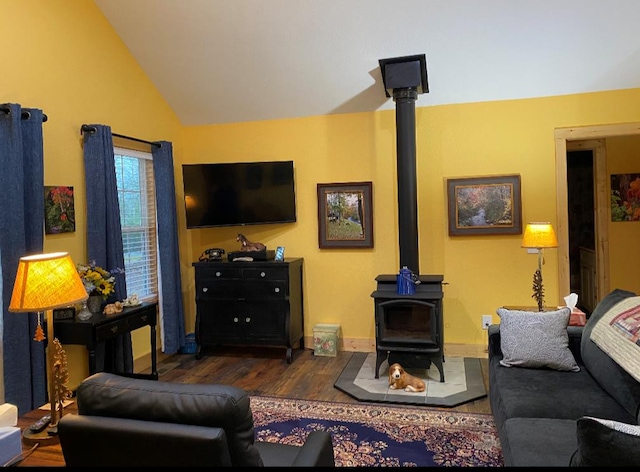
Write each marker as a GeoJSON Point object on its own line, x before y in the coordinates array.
{"type": "Point", "coordinates": [94, 303]}
{"type": "Point", "coordinates": [84, 314]}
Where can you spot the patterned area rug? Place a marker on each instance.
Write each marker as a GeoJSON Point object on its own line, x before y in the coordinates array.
{"type": "Point", "coordinates": [366, 435]}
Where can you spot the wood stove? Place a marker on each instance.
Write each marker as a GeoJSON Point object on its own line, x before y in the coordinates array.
{"type": "Point", "coordinates": [409, 327]}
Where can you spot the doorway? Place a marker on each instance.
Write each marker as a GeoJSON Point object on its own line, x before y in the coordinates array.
{"type": "Point", "coordinates": [586, 138]}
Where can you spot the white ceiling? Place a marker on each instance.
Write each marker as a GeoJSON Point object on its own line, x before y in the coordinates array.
{"type": "Point", "coordinates": [224, 61]}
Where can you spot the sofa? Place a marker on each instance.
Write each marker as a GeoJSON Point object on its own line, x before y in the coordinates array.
{"type": "Point", "coordinates": [129, 422]}
{"type": "Point", "coordinates": [566, 395]}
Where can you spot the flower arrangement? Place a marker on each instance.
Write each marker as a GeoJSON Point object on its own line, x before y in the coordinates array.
{"type": "Point", "coordinates": [96, 280]}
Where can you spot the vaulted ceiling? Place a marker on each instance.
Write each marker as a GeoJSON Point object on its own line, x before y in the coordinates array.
{"type": "Point", "coordinates": [224, 61]}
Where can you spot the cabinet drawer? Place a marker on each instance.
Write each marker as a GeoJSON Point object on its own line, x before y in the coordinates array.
{"type": "Point", "coordinates": [209, 289]}
{"type": "Point", "coordinates": [222, 272]}
{"type": "Point", "coordinates": [265, 273]}
{"type": "Point", "coordinates": [108, 331]}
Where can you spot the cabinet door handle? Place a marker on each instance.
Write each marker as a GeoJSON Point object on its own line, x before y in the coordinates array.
{"type": "Point", "coordinates": [218, 274]}
{"type": "Point", "coordinates": [235, 320]}
{"type": "Point", "coordinates": [277, 289]}
{"type": "Point", "coordinates": [247, 320]}
{"type": "Point", "coordinates": [262, 274]}
{"type": "Point", "coordinates": [205, 289]}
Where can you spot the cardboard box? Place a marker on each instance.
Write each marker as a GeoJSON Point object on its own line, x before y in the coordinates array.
{"type": "Point", "coordinates": [325, 339]}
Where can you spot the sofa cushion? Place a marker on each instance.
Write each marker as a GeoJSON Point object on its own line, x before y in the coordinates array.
{"type": "Point", "coordinates": [538, 442]}
{"type": "Point", "coordinates": [546, 393]}
{"type": "Point", "coordinates": [536, 339]}
{"type": "Point", "coordinates": [611, 377]}
{"type": "Point", "coordinates": [616, 333]}
{"type": "Point", "coordinates": [605, 443]}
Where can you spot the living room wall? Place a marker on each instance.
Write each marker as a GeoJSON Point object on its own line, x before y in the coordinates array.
{"type": "Point", "coordinates": [67, 60]}
{"type": "Point", "coordinates": [482, 273]}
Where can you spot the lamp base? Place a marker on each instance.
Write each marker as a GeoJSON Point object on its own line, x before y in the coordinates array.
{"type": "Point", "coordinates": [44, 438]}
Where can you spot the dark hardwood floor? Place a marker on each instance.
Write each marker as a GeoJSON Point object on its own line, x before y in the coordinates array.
{"type": "Point", "coordinates": [265, 372]}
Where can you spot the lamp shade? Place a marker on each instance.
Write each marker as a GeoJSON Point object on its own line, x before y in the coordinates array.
{"type": "Point", "coordinates": [45, 282]}
{"type": "Point", "coordinates": [539, 235]}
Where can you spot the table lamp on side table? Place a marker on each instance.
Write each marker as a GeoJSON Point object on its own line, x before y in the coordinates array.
{"type": "Point", "coordinates": [45, 282]}
{"type": "Point", "coordinates": [539, 236]}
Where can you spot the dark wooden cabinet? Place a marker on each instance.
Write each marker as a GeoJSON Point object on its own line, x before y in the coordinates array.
{"type": "Point", "coordinates": [249, 303]}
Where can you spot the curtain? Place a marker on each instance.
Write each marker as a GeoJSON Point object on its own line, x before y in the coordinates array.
{"type": "Point", "coordinates": [104, 236]}
{"type": "Point", "coordinates": [22, 196]}
{"type": "Point", "coordinates": [169, 273]}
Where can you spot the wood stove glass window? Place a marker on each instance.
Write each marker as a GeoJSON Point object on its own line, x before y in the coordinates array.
{"type": "Point", "coordinates": [407, 321]}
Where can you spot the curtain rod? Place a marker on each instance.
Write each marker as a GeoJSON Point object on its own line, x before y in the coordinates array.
{"type": "Point", "coordinates": [92, 129]}
{"type": "Point", "coordinates": [25, 115]}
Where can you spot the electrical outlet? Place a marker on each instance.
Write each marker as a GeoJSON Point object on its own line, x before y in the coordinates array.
{"type": "Point", "coordinates": [486, 321]}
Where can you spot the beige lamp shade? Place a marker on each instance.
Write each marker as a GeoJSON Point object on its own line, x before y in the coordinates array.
{"type": "Point", "coordinates": [45, 282]}
{"type": "Point", "coordinates": [539, 235]}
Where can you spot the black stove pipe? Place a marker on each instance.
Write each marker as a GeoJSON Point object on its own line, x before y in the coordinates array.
{"type": "Point", "coordinates": [405, 99]}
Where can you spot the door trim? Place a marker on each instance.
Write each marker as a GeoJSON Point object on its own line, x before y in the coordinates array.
{"type": "Point", "coordinates": [594, 138]}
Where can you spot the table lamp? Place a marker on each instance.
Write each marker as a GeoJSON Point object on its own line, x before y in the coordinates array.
{"type": "Point", "coordinates": [45, 282]}
{"type": "Point", "coordinates": [539, 236]}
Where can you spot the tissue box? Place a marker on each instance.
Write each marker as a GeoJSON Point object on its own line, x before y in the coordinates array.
{"type": "Point", "coordinates": [10, 444]}
{"type": "Point", "coordinates": [8, 414]}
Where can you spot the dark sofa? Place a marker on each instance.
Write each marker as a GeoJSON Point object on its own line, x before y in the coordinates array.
{"type": "Point", "coordinates": [545, 416]}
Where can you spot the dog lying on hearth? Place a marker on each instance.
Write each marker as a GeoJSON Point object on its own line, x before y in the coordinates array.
{"type": "Point", "coordinates": [400, 379]}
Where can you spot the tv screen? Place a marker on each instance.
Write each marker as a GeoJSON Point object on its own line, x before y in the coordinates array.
{"type": "Point", "coordinates": [236, 194]}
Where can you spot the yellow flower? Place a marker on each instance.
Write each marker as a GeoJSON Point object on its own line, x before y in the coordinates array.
{"type": "Point", "coordinates": [96, 280]}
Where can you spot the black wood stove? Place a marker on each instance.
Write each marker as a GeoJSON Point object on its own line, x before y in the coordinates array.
{"type": "Point", "coordinates": [409, 328]}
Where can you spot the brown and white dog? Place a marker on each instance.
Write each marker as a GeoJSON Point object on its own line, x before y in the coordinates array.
{"type": "Point", "coordinates": [400, 379]}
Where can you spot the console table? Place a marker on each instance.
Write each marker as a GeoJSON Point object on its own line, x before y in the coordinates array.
{"type": "Point", "coordinates": [100, 328]}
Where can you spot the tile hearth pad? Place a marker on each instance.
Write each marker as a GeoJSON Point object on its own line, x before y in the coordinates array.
{"type": "Point", "coordinates": [463, 382]}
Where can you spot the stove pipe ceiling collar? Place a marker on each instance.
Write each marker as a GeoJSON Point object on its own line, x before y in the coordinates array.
{"type": "Point", "coordinates": [404, 72]}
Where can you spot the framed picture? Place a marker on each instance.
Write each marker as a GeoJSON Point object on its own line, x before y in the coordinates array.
{"type": "Point", "coordinates": [485, 205]}
{"type": "Point", "coordinates": [625, 197]}
{"type": "Point", "coordinates": [59, 212]}
{"type": "Point", "coordinates": [345, 215]}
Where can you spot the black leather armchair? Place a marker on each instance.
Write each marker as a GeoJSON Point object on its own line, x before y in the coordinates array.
{"type": "Point", "coordinates": [124, 421]}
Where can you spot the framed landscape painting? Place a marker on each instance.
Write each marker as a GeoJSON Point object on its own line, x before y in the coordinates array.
{"type": "Point", "coordinates": [345, 215]}
{"type": "Point", "coordinates": [59, 211]}
{"type": "Point", "coordinates": [484, 205]}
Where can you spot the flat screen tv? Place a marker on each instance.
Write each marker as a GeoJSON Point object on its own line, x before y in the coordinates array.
{"type": "Point", "coordinates": [237, 194]}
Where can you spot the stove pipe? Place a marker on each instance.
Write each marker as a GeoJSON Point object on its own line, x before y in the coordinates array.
{"type": "Point", "coordinates": [405, 77]}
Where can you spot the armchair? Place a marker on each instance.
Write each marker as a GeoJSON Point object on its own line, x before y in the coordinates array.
{"type": "Point", "coordinates": [124, 421]}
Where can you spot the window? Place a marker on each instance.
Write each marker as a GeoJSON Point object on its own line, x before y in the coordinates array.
{"type": "Point", "coordinates": [136, 196]}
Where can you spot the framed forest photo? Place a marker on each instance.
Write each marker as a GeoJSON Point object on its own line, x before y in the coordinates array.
{"type": "Point", "coordinates": [345, 215]}
{"type": "Point", "coordinates": [484, 205]}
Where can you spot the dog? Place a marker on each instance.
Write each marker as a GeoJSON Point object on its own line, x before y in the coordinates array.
{"type": "Point", "coordinates": [400, 379]}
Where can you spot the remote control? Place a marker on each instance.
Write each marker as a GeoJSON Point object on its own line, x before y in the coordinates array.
{"type": "Point", "coordinates": [40, 424]}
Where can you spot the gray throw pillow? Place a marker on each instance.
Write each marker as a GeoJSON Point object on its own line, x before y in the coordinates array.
{"type": "Point", "coordinates": [536, 339]}
{"type": "Point", "coordinates": [606, 443]}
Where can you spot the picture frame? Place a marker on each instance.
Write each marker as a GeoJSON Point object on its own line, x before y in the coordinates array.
{"type": "Point", "coordinates": [59, 211]}
{"type": "Point", "coordinates": [484, 205]}
{"type": "Point", "coordinates": [345, 215]}
{"type": "Point", "coordinates": [67, 313]}
{"type": "Point", "coordinates": [625, 197]}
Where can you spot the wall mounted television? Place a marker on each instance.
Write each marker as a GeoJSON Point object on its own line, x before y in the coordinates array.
{"type": "Point", "coordinates": [238, 194]}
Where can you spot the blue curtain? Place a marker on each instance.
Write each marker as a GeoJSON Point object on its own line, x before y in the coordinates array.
{"type": "Point", "coordinates": [22, 196]}
{"type": "Point", "coordinates": [171, 288]}
{"type": "Point", "coordinates": [104, 235]}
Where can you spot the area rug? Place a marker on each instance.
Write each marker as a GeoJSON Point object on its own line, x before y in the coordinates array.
{"type": "Point", "coordinates": [463, 382]}
{"type": "Point", "coordinates": [367, 435]}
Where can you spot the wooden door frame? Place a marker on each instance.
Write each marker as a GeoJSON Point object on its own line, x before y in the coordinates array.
{"type": "Point", "coordinates": [586, 138]}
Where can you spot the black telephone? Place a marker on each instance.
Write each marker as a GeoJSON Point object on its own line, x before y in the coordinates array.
{"type": "Point", "coordinates": [212, 254]}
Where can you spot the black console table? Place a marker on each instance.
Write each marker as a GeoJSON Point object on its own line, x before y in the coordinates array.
{"type": "Point", "coordinates": [100, 328]}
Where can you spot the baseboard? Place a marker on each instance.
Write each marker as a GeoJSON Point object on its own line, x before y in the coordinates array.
{"type": "Point", "coordinates": [142, 363]}
{"type": "Point", "coordinates": [369, 345]}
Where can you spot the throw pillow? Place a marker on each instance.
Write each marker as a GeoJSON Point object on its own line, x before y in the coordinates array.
{"type": "Point", "coordinates": [536, 339]}
{"type": "Point", "coordinates": [606, 443]}
{"type": "Point", "coordinates": [618, 333]}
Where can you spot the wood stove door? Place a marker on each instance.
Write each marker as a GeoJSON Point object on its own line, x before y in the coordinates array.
{"type": "Point", "coordinates": [407, 323]}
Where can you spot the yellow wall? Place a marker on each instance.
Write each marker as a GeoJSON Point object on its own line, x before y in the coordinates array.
{"type": "Point", "coordinates": [623, 157]}
{"type": "Point", "coordinates": [63, 56]}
